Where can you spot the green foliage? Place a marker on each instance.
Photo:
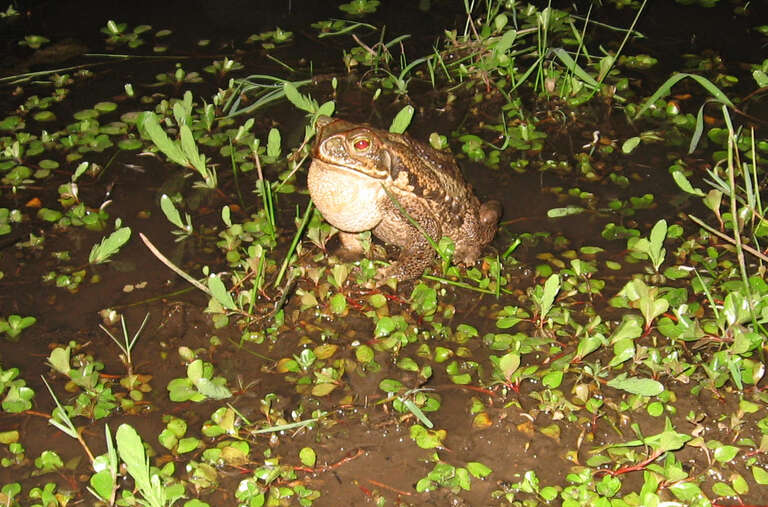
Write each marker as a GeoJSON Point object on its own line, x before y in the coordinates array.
{"type": "Point", "coordinates": [183, 151]}
{"type": "Point", "coordinates": [109, 246]}
{"type": "Point", "coordinates": [653, 246]}
{"type": "Point", "coordinates": [13, 325]}
{"type": "Point", "coordinates": [402, 120]}
{"type": "Point", "coordinates": [173, 216]}
{"type": "Point", "coordinates": [644, 298]}
{"type": "Point", "coordinates": [453, 478]}
{"type": "Point", "coordinates": [199, 384]}
{"type": "Point", "coordinates": [18, 397]}
{"type": "Point", "coordinates": [148, 482]}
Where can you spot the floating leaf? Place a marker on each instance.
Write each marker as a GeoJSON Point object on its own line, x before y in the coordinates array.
{"type": "Point", "coordinates": [105, 107]}
{"type": "Point", "coordinates": [427, 439]}
{"type": "Point", "coordinates": [129, 144]}
{"type": "Point", "coordinates": [308, 456]}
{"type": "Point", "coordinates": [391, 386]}
{"type": "Point", "coordinates": [212, 389]}
{"type": "Point", "coordinates": [564, 212]}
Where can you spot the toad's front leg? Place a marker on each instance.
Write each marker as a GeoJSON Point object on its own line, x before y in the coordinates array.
{"type": "Point", "coordinates": [416, 252]}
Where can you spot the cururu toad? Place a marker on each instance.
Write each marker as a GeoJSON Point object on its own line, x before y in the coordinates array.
{"type": "Point", "coordinates": [361, 177]}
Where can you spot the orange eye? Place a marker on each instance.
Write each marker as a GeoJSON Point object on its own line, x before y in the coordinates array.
{"type": "Point", "coordinates": [362, 144]}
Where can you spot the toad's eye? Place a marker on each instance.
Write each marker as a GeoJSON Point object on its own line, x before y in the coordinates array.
{"type": "Point", "coordinates": [362, 144]}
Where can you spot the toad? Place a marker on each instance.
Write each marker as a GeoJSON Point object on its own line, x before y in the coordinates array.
{"type": "Point", "coordinates": [362, 178]}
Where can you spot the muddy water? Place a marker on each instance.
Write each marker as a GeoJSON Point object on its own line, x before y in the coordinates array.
{"type": "Point", "coordinates": [364, 448]}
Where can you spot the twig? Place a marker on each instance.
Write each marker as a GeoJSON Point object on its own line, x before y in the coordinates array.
{"type": "Point", "coordinates": [165, 260]}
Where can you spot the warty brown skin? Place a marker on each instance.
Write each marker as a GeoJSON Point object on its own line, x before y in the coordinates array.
{"type": "Point", "coordinates": [360, 177]}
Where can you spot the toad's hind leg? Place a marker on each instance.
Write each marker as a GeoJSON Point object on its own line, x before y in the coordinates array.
{"type": "Point", "coordinates": [416, 253]}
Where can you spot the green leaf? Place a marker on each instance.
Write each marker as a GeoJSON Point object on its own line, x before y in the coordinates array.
{"type": "Point", "coordinates": [187, 444]}
{"type": "Point", "coordinates": [195, 370]}
{"type": "Point", "coordinates": [131, 450]}
{"type": "Point", "coordinates": [323, 389]}
{"type": "Point", "coordinates": [81, 168]}
{"type": "Point", "coordinates": [564, 212]}
{"type": "Point", "coordinates": [170, 211]}
{"type": "Point", "coordinates": [686, 491]}
{"type": "Point", "coordinates": [509, 363]}
{"type": "Point", "coordinates": [220, 293]}
{"type": "Point", "coordinates": [167, 439]}
{"type": "Point", "coordinates": [478, 470]}
{"type": "Point", "coordinates": [181, 390]}
{"type": "Point", "coordinates": [666, 88]}
{"type": "Point", "coordinates": [713, 200]}
{"type": "Point", "coordinates": [722, 489]}
{"type": "Point", "coordinates": [109, 246]}
{"type": "Point", "coordinates": [161, 140]}
{"type": "Point", "coordinates": [273, 143]}
{"type": "Point", "coordinates": [402, 120]}
{"type": "Point", "coordinates": [657, 251]}
{"type": "Point", "coordinates": [552, 379]}
{"type": "Point", "coordinates": [103, 484]}
{"type": "Point", "coordinates": [739, 484]}
{"type": "Point", "coordinates": [391, 386]}
{"type": "Point", "coordinates": [427, 439]}
{"type": "Point", "coordinates": [643, 297]}
{"type": "Point", "coordinates": [327, 108]}
{"type": "Point", "coordinates": [189, 147]}
{"type": "Point", "coordinates": [384, 327]}
{"type": "Point", "coordinates": [636, 385]}
{"type": "Point", "coordinates": [623, 350]}
{"type": "Point", "coordinates": [364, 354]}
{"type": "Point", "coordinates": [574, 67]}
{"type": "Point", "coordinates": [725, 453]}
{"type": "Point", "coordinates": [177, 426]}
{"type": "Point", "coordinates": [551, 288]}
{"type": "Point", "coordinates": [308, 456]}
{"type": "Point", "coordinates": [461, 379]}
{"type": "Point", "coordinates": [408, 364]}
{"type": "Point", "coordinates": [297, 99]}
{"type": "Point", "coordinates": [338, 303]}
{"type": "Point", "coordinates": [760, 475]}
{"type": "Point", "coordinates": [59, 360]}
{"type": "Point", "coordinates": [630, 144]}
{"type": "Point", "coordinates": [589, 344]}
{"type": "Point", "coordinates": [463, 479]}
{"type": "Point", "coordinates": [630, 328]}
{"type": "Point", "coordinates": [212, 390]}
{"type": "Point", "coordinates": [685, 185]}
